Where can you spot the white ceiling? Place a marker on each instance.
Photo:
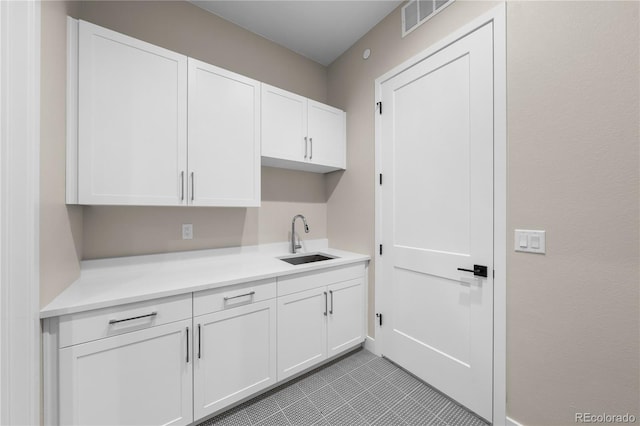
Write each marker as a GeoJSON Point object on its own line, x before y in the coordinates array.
{"type": "Point", "coordinates": [321, 30]}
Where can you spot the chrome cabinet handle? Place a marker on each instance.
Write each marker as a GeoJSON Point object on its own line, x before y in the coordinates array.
{"type": "Point", "coordinates": [251, 293]}
{"type": "Point", "coordinates": [331, 310]}
{"type": "Point", "coordinates": [182, 185]}
{"type": "Point", "coordinates": [114, 321]}
{"type": "Point", "coordinates": [325, 303]}
{"type": "Point", "coordinates": [311, 150]}
{"type": "Point", "coordinates": [193, 186]}
{"type": "Point", "coordinates": [187, 345]}
{"type": "Point", "coordinates": [199, 341]}
{"type": "Point", "coordinates": [305, 147]}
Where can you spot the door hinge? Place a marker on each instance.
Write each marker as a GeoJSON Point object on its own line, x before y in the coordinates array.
{"type": "Point", "coordinates": [379, 106]}
{"type": "Point", "coordinates": [380, 178]}
{"type": "Point", "coordinates": [380, 249]}
{"type": "Point", "coordinates": [379, 316]}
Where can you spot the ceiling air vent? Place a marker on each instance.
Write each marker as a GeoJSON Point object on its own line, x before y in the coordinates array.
{"type": "Point", "coordinates": [417, 12]}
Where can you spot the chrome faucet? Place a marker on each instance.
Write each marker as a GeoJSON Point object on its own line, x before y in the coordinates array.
{"type": "Point", "coordinates": [295, 246]}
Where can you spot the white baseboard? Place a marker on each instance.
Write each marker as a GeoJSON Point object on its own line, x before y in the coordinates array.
{"type": "Point", "coordinates": [370, 345]}
{"type": "Point", "coordinates": [511, 422]}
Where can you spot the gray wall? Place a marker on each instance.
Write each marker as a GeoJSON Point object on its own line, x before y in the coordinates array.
{"type": "Point", "coordinates": [60, 226]}
{"type": "Point", "coordinates": [573, 95]}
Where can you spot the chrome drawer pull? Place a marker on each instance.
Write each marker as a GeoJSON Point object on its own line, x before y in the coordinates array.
{"type": "Point", "coordinates": [152, 314]}
{"type": "Point", "coordinates": [251, 293]}
{"type": "Point", "coordinates": [325, 303]}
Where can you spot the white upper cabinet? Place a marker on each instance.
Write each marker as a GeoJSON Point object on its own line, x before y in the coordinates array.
{"type": "Point", "coordinates": [132, 120]}
{"type": "Point", "coordinates": [301, 134]}
{"type": "Point", "coordinates": [224, 137]}
{"type": "Point", "coordinates": [137, 145]}
{"type": "Point", "coordinates": [284, 124]}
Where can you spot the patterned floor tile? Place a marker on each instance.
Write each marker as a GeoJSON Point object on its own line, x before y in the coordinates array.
{"type": "Point", "coordinates": [430, 398]}
{"type": "Point", "coordinates": [387, 393]}
{"type": "Point", "coordinates": [413, 413]}
{"type": "Point", "coordinates": [347, 387]}
{"type": "Point", "coordinates": [326, 400]}
{"type": "Point", "coordinates": [302, 412]}
{"type": "Point", "coordinates": [331, 373]}
{"type": "Point", "coordinates": [460, 416]}
{"type": "Point", "coordinates": [229, 418]}
{"type": "Point", "coordinates": [389, 419]}
{"type": "Point", "coordinates": [312, 383]}
{"type": "Point", "coordinates": [368, 406]}
{"type": "Point", "coordinates": [382, 367]}
{"type": "Point", "coordinates": [277, 419]}
{"type": "Point", "coordinates": [288, 395]}
{"type": "Point", "coordinates": [261, 409]}
{"type": "Point", "coordinates": [357, 389]}
{"type": "Point", "coordinates": [365, 376]}
{"type": "Point", "coordinates": [403, 381]}
{"type": "Point", "coordinates": [345, 416]}
{"type": "Point", "coordinates": [364, 355]}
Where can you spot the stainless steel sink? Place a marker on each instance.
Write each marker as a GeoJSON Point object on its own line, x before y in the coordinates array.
{"type": "Point", "coordinates": [308, 258]}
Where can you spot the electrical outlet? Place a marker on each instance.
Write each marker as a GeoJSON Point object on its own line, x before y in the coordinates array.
{"type": "Point", "coordinates": [187, 231]}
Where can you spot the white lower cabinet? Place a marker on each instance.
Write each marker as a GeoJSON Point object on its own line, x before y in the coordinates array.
{"type": "Point", "coordinates": [345, 317]}
{"type": "Point", "coordinates": [139, 378]}
{"type": "Point", "coordinates": [179, 359]}
{"type": "Point", "coordinates": [302, 331]}
{"type": "Point", "coordinates": [235, 355]}
{"type": "Point", "coordinates": [318, 323]}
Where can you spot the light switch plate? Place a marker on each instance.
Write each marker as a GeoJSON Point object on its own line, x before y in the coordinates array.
{"type": "Point", "coordinates": [530, 241]}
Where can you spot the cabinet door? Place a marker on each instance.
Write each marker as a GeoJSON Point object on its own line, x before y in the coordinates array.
{"type": "Point", "coordinates": [284, 124]}
{"type": "Point", "coordinates": [224, 137]}
{"type": "Point", "coordinates": [302, 331]}
{"type": "Point", "coordinates": [132, 120]}
{"type": "Point", "coordinates": [326, 133]}
{"type": "Point", "coordinates": [346, 316]}
{"type": "Point", "coordinates": [139, 378]}
{"type": "Point", "coordinates": [235, 355]}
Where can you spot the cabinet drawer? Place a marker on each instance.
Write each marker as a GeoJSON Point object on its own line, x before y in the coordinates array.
{"type": "Point", "coordinates": [219, 299]}
{"type": "Point", "coordinates": [101, 323]}
{"type": "Point", "coordinates": [308, 280]}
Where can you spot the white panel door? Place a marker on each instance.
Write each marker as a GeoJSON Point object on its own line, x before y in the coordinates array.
{"type": "Point", "coordinates": [326, 131]}
{"type": "Point", "coordinates": [284, 124]}
{"type": "Point", "coordinates": [132, 120]}
{"type": "Point", "coordinates": [346, 317]}
{"type": "Point", "coordinates": [302, 331]}
{"type": "Point", "coordinates": [224, 137]}
{"type": "Point", "coordinates": [437, 216]}
{"type": "Point", "coordinates": [139, 378]}
{"type": "Point", "coordinates": [235, 355]}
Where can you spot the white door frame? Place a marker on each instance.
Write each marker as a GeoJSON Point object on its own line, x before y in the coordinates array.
{"type": "Point", "coordinates": [19, 212]}
{"type": "Point", "coordinates": [496, 16]}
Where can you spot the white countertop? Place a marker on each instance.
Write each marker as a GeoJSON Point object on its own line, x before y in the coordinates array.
{"type": "Point", "coordinates": [110, 282]}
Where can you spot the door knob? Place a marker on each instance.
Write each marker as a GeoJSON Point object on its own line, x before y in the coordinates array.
{"type": "Point", "coordinates": [478, 270]}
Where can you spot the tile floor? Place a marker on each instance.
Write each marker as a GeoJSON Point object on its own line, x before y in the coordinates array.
{"type": "Point", "coordinates": [357, 389]}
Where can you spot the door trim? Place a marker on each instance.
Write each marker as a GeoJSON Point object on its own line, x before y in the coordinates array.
{"type": "Point", "coordinates": [497, 17]}
{"type": "Point", "coordinates": [19, 213]}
